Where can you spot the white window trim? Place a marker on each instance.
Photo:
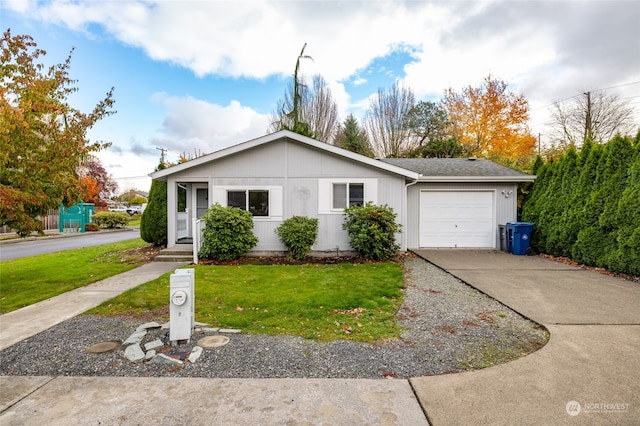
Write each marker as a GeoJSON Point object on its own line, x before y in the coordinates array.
{"type": "Point", "coordinates": [348, 184]}
{"type": "Point", "coordinates": [219, 195]}
{"type": "Point", "coordinates": [325, 193]}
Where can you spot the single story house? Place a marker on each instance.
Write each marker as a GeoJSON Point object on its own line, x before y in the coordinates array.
{"type": "Point", "coordinates": [439, 202]}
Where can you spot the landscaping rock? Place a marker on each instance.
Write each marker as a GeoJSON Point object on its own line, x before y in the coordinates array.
{"type": "Point", "coordinates": [135, 338]}
{"type": "Point", "coordinates": [149, 355]}
{"type": "Point", "coordinates": [156, 344]}
{"type": "Point", "coordinates": [196, 352]}
{"type": "Point", "coordinates": [148, 325]}
{"type": "Point", "coordinates": [229, 330]}
{"type": "Point", "coordinates": [164, 359]}
{"type": "Point", "coordinates": [134, 353]}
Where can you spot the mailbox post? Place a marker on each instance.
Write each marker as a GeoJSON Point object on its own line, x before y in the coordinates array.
{"type": "Point", "coordinates": [181, 304]}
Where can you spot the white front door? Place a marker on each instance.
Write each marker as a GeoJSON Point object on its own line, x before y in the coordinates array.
{"type": "Point", "coordinates": [457, 219]}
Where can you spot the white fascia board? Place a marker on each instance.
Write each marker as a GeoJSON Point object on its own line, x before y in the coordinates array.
{"type": "Point", "coordinates": [529, 178]}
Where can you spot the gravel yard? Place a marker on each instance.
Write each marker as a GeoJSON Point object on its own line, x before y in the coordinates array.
{"type": "Point", "coordinates": [448, 327]}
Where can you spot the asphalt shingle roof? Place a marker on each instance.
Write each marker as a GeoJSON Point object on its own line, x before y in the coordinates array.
{"type": "Point", "coordinates": [456, 167]}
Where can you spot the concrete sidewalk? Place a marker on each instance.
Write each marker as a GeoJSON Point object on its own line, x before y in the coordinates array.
{"type": "Point", "coordinates": [18, 325]}
{"type": "Point", "coordinates": [588, 373]}
{"type": "Point", "coordinates": [178, 401]}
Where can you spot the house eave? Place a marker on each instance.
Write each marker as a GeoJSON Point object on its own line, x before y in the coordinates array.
{"type": "Point", "coordinates": [458, 179]}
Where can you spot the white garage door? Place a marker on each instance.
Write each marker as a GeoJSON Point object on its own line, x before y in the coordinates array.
{"type": "Point", "coordinates": [457, 219]}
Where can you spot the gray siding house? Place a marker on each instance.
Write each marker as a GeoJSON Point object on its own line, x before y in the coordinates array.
{"type": "Point", "coordinates": [439, 202]}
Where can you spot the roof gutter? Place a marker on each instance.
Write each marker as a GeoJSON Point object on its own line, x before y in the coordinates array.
{"type": "Point", "coordinates": [524, 178]}
{"type": "Point", "coordinates": [405, 214]}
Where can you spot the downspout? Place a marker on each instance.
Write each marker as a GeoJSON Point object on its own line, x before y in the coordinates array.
{"type": "Point", "coordinates": [405, 215]}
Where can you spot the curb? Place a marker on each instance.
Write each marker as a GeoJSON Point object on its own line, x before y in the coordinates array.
{"type": "Point", "coordinates": [56, 235]}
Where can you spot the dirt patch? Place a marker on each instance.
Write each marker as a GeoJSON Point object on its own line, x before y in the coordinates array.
{"type": "Point", "coordinates": [140, 255]}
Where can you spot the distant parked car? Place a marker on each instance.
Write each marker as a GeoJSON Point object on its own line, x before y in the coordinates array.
{"type": "Point", "coordinates": [120, 208]}
{"type": "Point", "coordinates": [136, 208]}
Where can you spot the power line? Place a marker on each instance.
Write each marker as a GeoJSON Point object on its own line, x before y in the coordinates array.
{"type": "Point", "coordinates": [580, 94]}
{"type": "Point", "coordinates": [619, 85]}
{"type": "Point", "coordinates": [130, 177]}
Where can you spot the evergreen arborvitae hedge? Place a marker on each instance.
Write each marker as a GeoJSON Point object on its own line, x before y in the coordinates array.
{"type": "Point", "coordinates": [153, 224]}
{"type": "Point", "coordinates": [586, 205]}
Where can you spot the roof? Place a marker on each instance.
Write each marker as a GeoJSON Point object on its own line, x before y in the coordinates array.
{"type": "Point", "coordinates": [286, 135]}
{"type": "Point", "coordinates": [459, 170]}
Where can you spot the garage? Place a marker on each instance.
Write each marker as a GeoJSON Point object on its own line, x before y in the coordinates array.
{"type": "Point", "coordinates": [457, 219]}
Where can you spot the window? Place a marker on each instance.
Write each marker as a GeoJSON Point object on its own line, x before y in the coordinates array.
{"type": "Point", "coordinates": [336, 194]}
{"type": "Point", "coordinates": [254, 201]}
{"type": "Point", "coordinates": [347, 195]}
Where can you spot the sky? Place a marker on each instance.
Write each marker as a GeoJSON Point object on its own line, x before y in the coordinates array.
{"type": "Point", "coordinates": [193, 77]}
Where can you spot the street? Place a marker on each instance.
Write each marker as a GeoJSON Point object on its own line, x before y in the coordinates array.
{"type": "Point", "coordinates": [14, 250]}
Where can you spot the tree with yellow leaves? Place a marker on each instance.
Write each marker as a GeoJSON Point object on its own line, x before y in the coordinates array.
{"type": "Point", "coordinates": [43, 141]}
{"type": "Point", "coordinates": [491, 122]}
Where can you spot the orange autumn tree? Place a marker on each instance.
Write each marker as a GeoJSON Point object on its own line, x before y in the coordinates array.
{"type": "Point", "coordinates": [491, 122]}
{"type": "Point", "coordinates": [97, 184]}
{"type": "Point", "coordinates": [43, 139]}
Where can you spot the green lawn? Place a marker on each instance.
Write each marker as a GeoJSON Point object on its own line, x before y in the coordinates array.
{"type": "Point", "coordinates": [323, 302]}
{"type": "Point", "coordinates": [31, 279]}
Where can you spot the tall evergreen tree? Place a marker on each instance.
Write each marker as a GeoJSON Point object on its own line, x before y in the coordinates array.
{"type": "Point", "coordinates": [627, 256]}
{"type": "Point", "coordinates": [599, 235]}
{"type": "Point", "coordinates": [353, 138]}
{"type": "Point", "coordinates": [153, 224]}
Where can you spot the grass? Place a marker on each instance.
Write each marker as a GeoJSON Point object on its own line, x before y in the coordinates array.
{"type": "Point", "coordinates": [322, 302]}
{"type": "Point", "coordinates": [32, 279]}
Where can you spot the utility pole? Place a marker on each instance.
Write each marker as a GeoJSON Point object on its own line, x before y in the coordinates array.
{"type": "Point", "coordinates": [539, 144]}
{"type": "Point", "coordinates": [587, 125]}
{"type": "Point", "coordinates": [162, 154]}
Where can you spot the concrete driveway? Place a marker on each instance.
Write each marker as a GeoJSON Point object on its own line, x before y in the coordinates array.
{"type": "Point", "coordinates": [588, 373]}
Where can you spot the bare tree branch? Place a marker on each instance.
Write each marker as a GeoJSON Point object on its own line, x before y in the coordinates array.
{"type": "Point", "coordinates": [386, 120]}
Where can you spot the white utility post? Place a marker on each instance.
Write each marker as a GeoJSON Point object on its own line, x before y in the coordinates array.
{"type": "Point", "coordinates": [181, 304]}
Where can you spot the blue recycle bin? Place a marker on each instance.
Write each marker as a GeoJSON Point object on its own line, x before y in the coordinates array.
{"type": "Point", "coordinates": [519, 237]}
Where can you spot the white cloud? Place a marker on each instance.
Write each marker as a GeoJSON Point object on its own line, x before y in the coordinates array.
{"type": "Point", "coordinates": [192, 125]}
{"type": "Point", "coordinates": [128, 169]}
{"type": "Point", "coordinates": [546, 50]}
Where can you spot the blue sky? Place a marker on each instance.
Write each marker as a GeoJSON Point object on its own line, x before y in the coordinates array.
{"type": "Point", "coordinates": [197, 76]}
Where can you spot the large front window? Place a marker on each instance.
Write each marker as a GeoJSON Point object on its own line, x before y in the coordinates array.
{"type": "Point", "coordinates": [254, 201]}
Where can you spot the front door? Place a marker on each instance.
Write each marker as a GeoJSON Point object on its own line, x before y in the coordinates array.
{"type": "Point", "coordinates": [202, 202]}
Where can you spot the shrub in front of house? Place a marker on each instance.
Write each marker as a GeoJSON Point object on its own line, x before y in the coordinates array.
{"type": "Point", "coordinates": [153, 223]}
{"type": "Point", "coordinates": [372, 230]}
{"type": "Point", "coordinates": [111, 219]}
{"type": "Point", "coordinates": [228, 233]}
{"type": "Point", "coordinates": [298, 233]}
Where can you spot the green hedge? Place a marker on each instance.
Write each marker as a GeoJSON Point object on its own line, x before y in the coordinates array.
{"type": "Point", "coordinates": [586, 205]}
{"type": "Point", "coordinates": [111, 219]}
